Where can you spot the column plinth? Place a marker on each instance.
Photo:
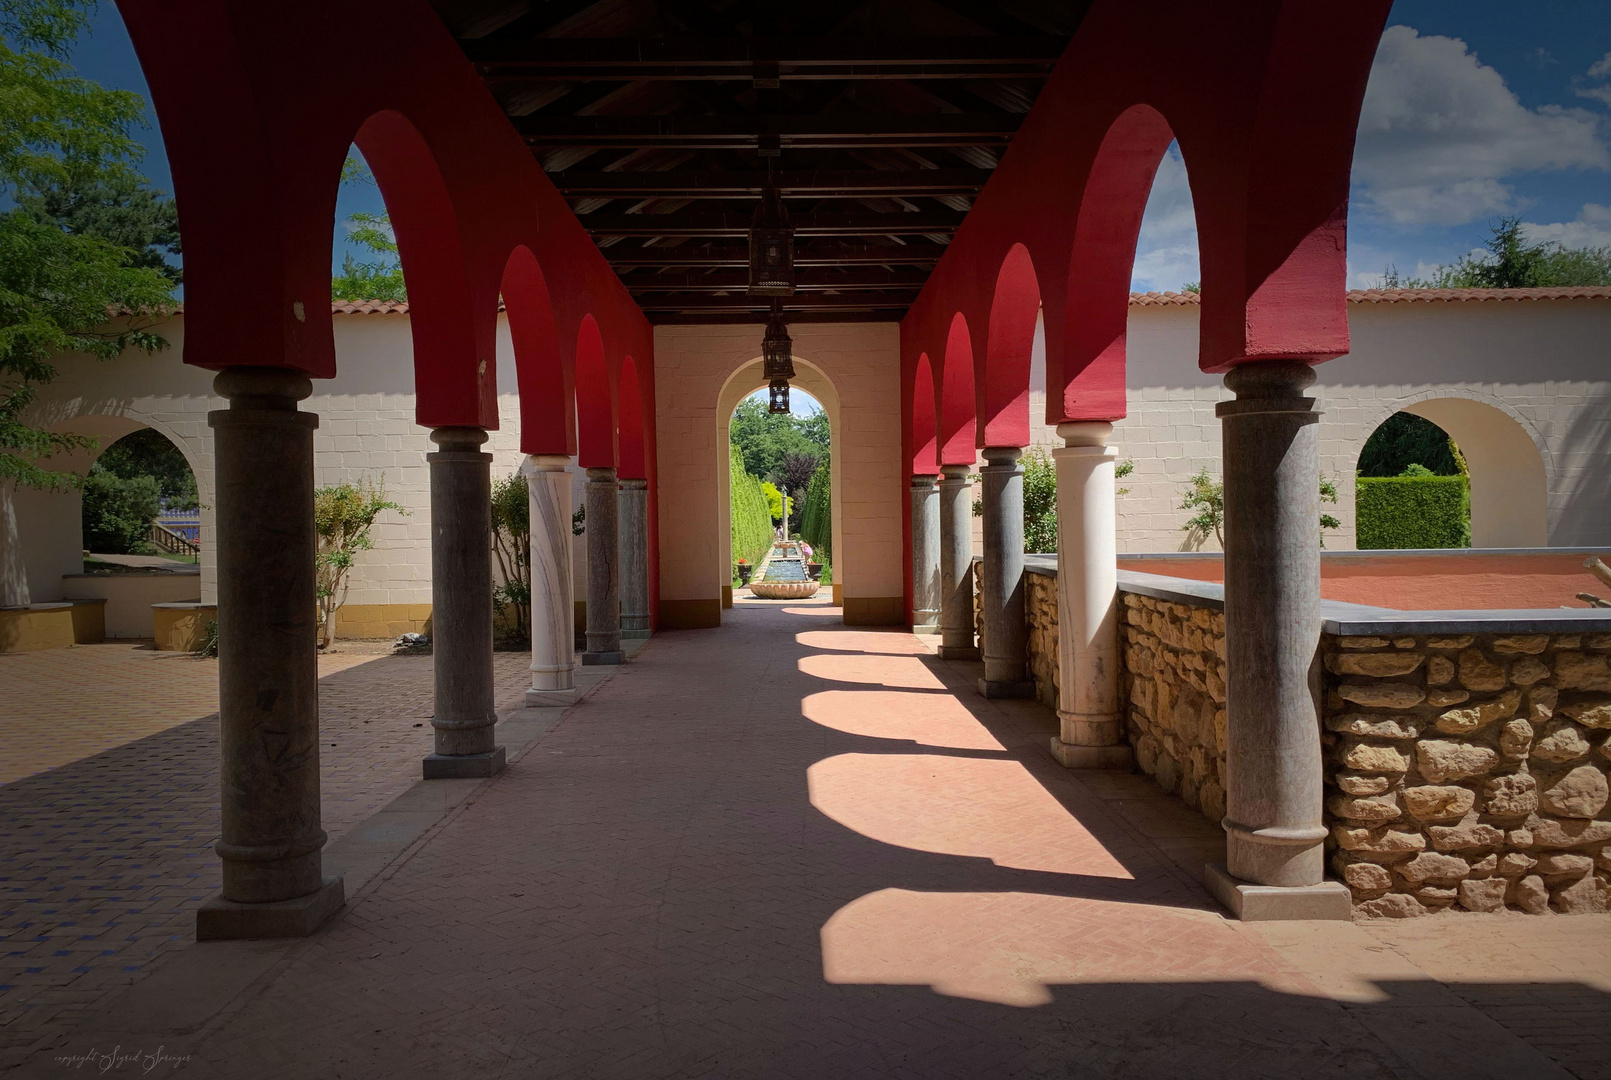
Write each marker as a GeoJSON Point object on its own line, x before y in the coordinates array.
{"type": "Point", "coordinates": [603, 570]}
{"type": "Point", "coordinates": [925, 555]}
{"type": "Point", "coordinates": [461, 606]}
{"type": "Point", "coordinates": [634, 557]}
{"type": "Point", "coordinates": [1001, 597]}
{"type": "Point", "coordinates": [956, 565]}
{"type": "Point", "coordinates": [270, 835]}
{"type": "Point", "coordinates": [1091, 730]}
{"type": "Point", "coordinates": [1275, 857]}
{"type": "Point", "coordinates": [553, 592]}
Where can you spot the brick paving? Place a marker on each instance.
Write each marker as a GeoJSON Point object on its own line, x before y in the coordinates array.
{"type": "Point", "coordinates": [789, 848]}
{"type": "Point", "coordinates": [111, 807]}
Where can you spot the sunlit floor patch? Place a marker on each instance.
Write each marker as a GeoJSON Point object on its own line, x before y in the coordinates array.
{"type": "Point", "coordinates": [985, 808]}
{"type": "Point", "coordinates": [862, 641]}
{"type": "Point", "coordinates": [1013, 948]}
{"type": "Point", "coordinates": [906, 671]}
{"type": "Point", "coordinates": [926, 719]}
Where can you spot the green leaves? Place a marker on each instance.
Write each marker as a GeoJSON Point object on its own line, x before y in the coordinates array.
{"type": "Point", "coordinates": [1512, 263]}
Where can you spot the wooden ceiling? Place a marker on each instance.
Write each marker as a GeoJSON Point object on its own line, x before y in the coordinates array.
{"type": "Point", "coordinates": [658, 120]}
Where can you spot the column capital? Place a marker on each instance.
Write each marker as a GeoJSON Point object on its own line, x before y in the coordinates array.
{"type": "Point", "coordinates": [1084, 432]}
{"type": "Point", "coordinates": [1002, 456]}
{"type": "Point", "coordinates": [924, 481]}
{"type": "Point", "coordinates": [953, 474]}
{"type": "Point", "coordinates": [544, 463]}
{"type": "Point", "coordinates": [262, 388]}
{"type": "Point", "coordinates": [600, 474]}
{"type": "Point", "coordinates": [455, 437]}
{"type": "Point", "coordinates": [634, 485]}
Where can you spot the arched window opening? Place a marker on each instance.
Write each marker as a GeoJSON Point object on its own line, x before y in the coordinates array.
{"type": "Point", "coordinates": [780, 478]}
{"type": "Point", "coordinates": [140, 499]}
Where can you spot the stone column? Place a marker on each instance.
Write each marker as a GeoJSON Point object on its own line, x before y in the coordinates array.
{"type": "Point", "coordinates": [461, 606]}
{"type": "Point", "coordinates": [634, 558]}
{"type": "Point", "coordinates": [553, 594]}
{"type": "Point", "coordinates": [925, 555]}
{"type": "Point", "coordinates": [956, 565]}
{"type": "Point", "coordinates": [13, 570]}
{"type": "Point", "coordinates": [603, 573]}
{"type": "Point", "coordinates": [1001, 596]}
{"type": "Point", "coordinates": [1274, 845]}
{"type": "Point", "coordinates": [268, 670]}
{"type": "Point", "coordinates": [1091, 734]}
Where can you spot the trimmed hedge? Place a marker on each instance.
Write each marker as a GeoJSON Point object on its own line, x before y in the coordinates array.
{"type": "Point", "coordinates": [816, 520]}
{"type": "Point", "coordinates": [751, 519]}
{"type": "Point", "coordinates": [1412, 512]}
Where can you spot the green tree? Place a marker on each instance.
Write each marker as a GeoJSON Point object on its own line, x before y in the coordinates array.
{"type": "Point", "coordinates": [118, 512]}
{"type": "Point", "coordinates": [1040, 502]}
{"type": "Point", "coordinates": [60, 133]}
{"type": "Point", "coordinates": [816, 520]}
{"type": "Point", "coordinates": [511, 543]}
{"type": "Point", "coordinates": [1405, 439]}
{"type": "Point", "coordinates": [1206, 496]}
{"type": "Point", "coordinates": [342, 518]}
{"type": "Point", "coordinates": [148, 453]}
{"type": "Point", "coordinates": [766, 438]}
{"type": "Point", "coordinates": [376, 279]}
{"type": "Point", "coordinates": [122, 210]}
{"type": "Point", "coordinates": [750, 522]}
{"type": "Point", "coordinates": [1512, 263]}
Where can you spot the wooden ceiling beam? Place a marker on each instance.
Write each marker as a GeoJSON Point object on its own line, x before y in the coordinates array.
{"type": "Point", "coordinates": [738, 224]}
{"type": "Point", "coordinates": [739, 131]}
{"type": "Point", "coordinates": [733, 184]}
{"type": "Point", "coordinates": [811, 280]}
{"type": "Point", "coordinates": [804, 255]}
{"type": "Point", "coordinates": [855, 300]}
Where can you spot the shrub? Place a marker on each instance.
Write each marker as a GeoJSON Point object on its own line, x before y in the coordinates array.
{"type": "Point", "coordinates": [751, 520]}
{"type": "Point", "coordinates": [816, 521]}
{"type": "Point", "coordinates": [511, 543]}
{"type": "Point", "coordinates": [342, 518]}
{"type": "Point", "coordinates": [1412, 512]}
{"type": "Point", "coordinates": [118, 512]}
{"type": "Point", "coordinates": [1040, 502]}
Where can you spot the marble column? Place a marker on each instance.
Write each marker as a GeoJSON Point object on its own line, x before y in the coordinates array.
{"type": "Point", "coordinates": [956, 565]}
{"type": "Point", "coordinates": [603, 570]}
{"type": "Point", "coordinates": [634, 558]}
{"type": "Point", "coordinates": [1001, 597]}
{"type": "Point", "coordinates": [1275, 856]}
{"type": "Point", "coordinates": [925, 555]}
{"type": "Point", "coordinates": [268, 672]}
{"type": "Point", "coordinates": [461, 606]}
{"type": "Point", "coordinates": [1091, 730]}
{"type": "Point", "coordinates": [553, 594]}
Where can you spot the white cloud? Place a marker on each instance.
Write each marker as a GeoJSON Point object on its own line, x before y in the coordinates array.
{"type": "Point", "coordinates": [1440, 132]}
{"type": "Point", "coordinates": [1601, 68]}
{"type": "Point", "coordinates": [1166, 250]}
{"type": "Point", "coordinates": [1591, 228]}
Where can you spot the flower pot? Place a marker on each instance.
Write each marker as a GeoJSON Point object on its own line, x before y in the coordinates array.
{"type": "Point", "coordinates": [744, 572]}
{"type": "Point", "coordinates": [815, 570]}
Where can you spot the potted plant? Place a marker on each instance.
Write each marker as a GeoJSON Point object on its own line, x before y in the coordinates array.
{"type": "Point", "coordinates": [744, 570]}
{"type": "Point", "coordinates": [814, 569]}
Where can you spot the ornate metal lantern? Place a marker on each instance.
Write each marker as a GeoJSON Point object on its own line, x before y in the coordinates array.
{"type": "Point", "coordinates": [777, 360]}
{"type": "Point", "coordinates": [771, 246]}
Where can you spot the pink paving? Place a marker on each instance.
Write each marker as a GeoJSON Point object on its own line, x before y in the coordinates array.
{"type": "Point", "coordinates": [1427, 582]}
{"type": "Point", "coordinates": [789, 848]}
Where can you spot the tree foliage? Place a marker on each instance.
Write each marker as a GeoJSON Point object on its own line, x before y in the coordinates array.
{"type": "Point", "coordinates": [118, 512]}
{"type": "Point", "coordinates": [342, 518]}
{"type": "Point", "coordinates": [1040, 502]}
{"type": "Point", "coordinates": [373, 279]}
{"type": "Point", "coordinates": [1512, 263]}
{"type": "Point", "coordinates": [1405, 439]}
{"type": "Point", "coordinates": [765, 438]}
{"type": "Point", "coordinates": [148, 452]}
{"type": "Point", "coordinates": [751, 522]}
{"type": "Point", "coordinates": [511, 543]}
{"type": "Point", "coordinates": [1205, 496]}
{"type": "Point", "coordinates": [62, 139]}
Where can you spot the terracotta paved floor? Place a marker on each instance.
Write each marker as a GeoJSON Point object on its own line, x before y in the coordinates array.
{"type": "Point", "coordinates": [789, 848]}
{"type": "Point", "coordinates": [106, 838]}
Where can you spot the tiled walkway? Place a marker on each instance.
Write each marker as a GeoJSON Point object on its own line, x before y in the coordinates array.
{"type": "Point", "coordinates": [790, 848]}
{"type": "Point", "coordinates": [111, 808]}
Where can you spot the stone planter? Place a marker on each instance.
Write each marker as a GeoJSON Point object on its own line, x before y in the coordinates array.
{"type": "Point", "coordinates": [744, 572]}
{"type": "Point", "coordinates": [814, 571]}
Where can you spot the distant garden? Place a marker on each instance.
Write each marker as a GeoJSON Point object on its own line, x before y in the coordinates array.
{"type": "Point", "coordinates": [779, 472]}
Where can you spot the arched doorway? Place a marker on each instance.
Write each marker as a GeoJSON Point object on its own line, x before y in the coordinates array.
{"type": "Point", "coordinates": [1509, 482]}
{"type": "Point", "coordinates": [741, 384]}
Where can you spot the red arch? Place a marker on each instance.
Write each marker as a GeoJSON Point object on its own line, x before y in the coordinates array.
{"type": "Point", "coordinates": [957, 425]}
{"type": "Point", "coordinates": [449, 377]}
{"type": "Point", "coordinates": [547, 421]}
{"type": "Point", "coordinates": [1004, 389]}
{"type": "Point", "coordinates": [924, 431]}
{"type": "Point", "coordinates": [629, 424]}
{"type": "Point", "coordinates": [1090, 382]}
{"type": "Point", "coordinates": [595, 412]}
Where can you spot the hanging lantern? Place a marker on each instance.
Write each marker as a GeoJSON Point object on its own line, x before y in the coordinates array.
{"type": "Point", "coordinates": [771, 246]}
{"type": "Point", "coordinates": [777, 360]}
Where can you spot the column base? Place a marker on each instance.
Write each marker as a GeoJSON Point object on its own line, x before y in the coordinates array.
{"type": "Point", "coordinates": [462, 766]}
{"type": "Point", "coordinates": [228, 920]}
{"type": "Point", "coordinates": [602, 659]}
{"type": "Point", "coordinates": [959, 652]}
{"type": "Point", "coordinates": [1017, 688]}
{"type": "Point", "coordinates": [558, 699]}
{"type": "Point", "coordinates": [1071, 756]}
{"type": "Point", "coordinates": [926, 628]}
{"type": "Point", "coordinates": [1328, 900]}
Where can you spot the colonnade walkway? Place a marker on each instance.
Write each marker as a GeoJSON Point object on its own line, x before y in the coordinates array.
{"type": "Point", "coordinates": [792, 848]}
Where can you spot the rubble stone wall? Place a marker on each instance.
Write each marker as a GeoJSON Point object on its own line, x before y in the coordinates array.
{"type": "Point", "coordinates": [1469, 771]}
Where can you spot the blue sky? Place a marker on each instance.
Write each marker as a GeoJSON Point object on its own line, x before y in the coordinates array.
{"type": "Point", "coordinates": [1477, 109]}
